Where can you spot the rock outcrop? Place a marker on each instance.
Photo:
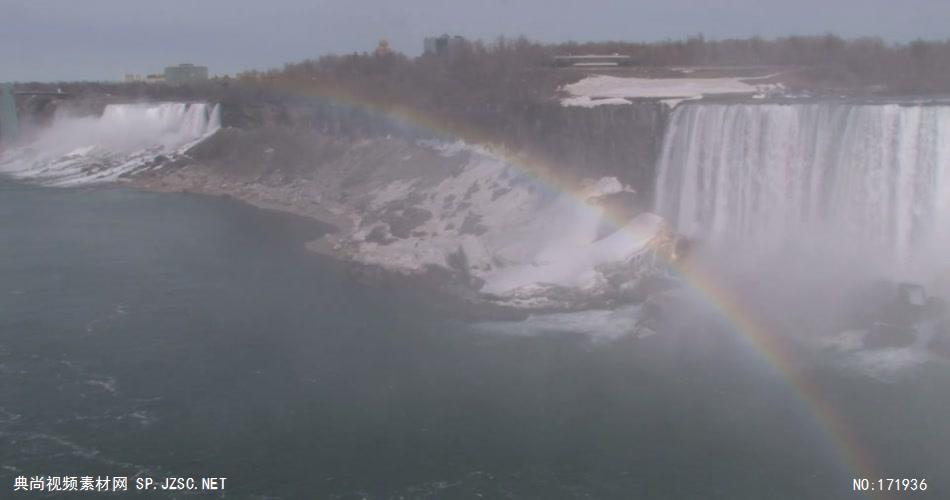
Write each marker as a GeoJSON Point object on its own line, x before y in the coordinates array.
{"type": "Point", "coordinates": [511, 235]}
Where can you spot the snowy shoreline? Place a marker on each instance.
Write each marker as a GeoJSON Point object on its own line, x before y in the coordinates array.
{"type": "Point", "coordinates": [492, 236]}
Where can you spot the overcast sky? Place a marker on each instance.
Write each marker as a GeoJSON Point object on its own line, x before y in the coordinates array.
{"type": "Point", "coordinates": [103, 39]}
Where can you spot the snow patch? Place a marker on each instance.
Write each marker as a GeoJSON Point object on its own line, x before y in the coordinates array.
{"type": "Point", "coordinates": [603, 187]}
{"type": "Point", "coordinates": [607, 89]}
{"type": "Point", "coordinates": [590, 102]}
{"type": "Point", "coordinates": [520, 237]}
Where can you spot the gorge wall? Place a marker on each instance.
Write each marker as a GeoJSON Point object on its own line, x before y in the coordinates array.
{"type": "Point", "coordinates": [621, 141]}
{"type": "Point", "coordinates": [846, 179]}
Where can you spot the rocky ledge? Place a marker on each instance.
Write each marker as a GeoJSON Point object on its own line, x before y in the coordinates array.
{"type": "Point", "coordinates": [504, 238]}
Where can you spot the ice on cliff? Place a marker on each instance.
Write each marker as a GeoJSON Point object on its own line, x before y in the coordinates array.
{"type": "Point", "coordinates": [519, 234]}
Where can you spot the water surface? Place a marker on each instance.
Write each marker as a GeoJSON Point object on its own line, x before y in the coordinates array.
{"type": "Point", "coordinates": [174, 335]}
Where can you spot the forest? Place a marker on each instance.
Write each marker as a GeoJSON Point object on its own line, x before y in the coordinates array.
{"type": "Point", "coordinates": [502, 89]}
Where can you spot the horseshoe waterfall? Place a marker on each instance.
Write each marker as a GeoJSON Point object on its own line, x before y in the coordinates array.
{"type": "Point", "coordinates": [866, 181]}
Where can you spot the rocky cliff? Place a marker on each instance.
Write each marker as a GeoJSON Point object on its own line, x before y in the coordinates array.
{"type": "Point", "coordinates": [554, 219]}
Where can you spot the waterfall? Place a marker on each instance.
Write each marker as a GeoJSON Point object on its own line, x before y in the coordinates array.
{"type": "Point", "coordinates": [865, 180]}
{"type": "Point", "coordinates": [123, 139]}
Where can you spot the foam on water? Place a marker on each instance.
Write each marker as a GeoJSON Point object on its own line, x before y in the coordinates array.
{"type": "Point", "coordinates": [599, 325]}
{"type": "Point", "coordinates": [126, 137]}
{"type": "Point", "coordinates": [886, 364]}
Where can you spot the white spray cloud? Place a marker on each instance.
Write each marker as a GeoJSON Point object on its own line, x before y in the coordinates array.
{"type": "Point", "coordinates": [82, 150]}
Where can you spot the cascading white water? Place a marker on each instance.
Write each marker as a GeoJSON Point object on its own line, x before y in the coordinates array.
{"type": "Point", "coordinates": [862, 180]}
{"type": "Point", "coordinates": [126, 137]}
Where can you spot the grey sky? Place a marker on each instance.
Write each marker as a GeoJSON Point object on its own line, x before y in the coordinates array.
{"type": "Point", "coordinates": [102, 39]}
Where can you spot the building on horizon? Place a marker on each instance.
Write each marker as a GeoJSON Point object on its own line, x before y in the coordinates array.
{"type": "Point", "coordinates": [383, 49]}
{"type": "Point", "coordinates": [444, 45]}
{"type": "Point", "coordinates": [186, 72]}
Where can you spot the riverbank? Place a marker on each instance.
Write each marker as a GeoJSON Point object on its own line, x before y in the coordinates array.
{"type": "Point", "coordinates": [439, 288]}
{"type": "Point", "coordinates": [454, 220]}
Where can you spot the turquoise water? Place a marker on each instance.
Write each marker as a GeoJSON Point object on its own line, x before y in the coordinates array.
{"type": "Point", "coordinates": [157, 335]}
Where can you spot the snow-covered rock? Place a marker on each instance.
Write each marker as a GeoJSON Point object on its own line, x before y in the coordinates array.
{"type": "Point", "coordinates": [504, 232]}
{"type": "Point", "coordinates": [523, 240]}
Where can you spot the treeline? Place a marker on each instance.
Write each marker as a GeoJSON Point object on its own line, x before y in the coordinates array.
{"type": "Point", "coordinates": [505, 89]}
{"type": "Point", "coordinates": [473, 82]}
{"type": "Point", "coordinates": [514, 68]}
{"type": "Point", "coordinates": [477, 82]}
{"type": "Point", "coordinates": [862, 63]}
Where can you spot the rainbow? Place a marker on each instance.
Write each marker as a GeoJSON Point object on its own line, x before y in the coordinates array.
{"type": "Point", "coordinates": [744, 321]}
{"type": "Point", "coordinates": [848, 445]}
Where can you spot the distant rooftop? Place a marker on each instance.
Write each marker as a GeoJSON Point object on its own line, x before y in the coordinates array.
{"type": "Point", "coordinates": [593, 60]}
{"type": "Point", "coordinates": [185, 72]}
